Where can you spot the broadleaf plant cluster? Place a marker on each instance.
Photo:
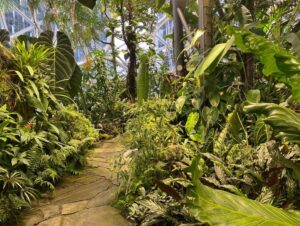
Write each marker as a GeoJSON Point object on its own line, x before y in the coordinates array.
{"type": "Point", "coordinates": [230, 155]}
{"type": "Point", "coordinates": [42, 135]}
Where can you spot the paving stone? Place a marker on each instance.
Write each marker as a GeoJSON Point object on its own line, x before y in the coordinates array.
{"type": "Point", "coordinates": [74, 207]}
{"type": "Point", "coordinates": [100, 216]}
{"type": "Point", "coordinates": [83, 192]}
{"type": "Point", "coordinates": [104, 198]}
{"type": "Point", "coordinates": [83, 200]}
{"type": "Point", "coordinates": [32, 218]}
{"type": "Point", "coordinates": [55, 221]}
{"type": "Point", "coordinates": [50, 211]}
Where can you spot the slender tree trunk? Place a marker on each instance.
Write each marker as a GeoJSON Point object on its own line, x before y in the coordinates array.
{"type": "Point", "coordinates": [205, 23]}
{"type": "Point", "coordinates": [114, 53]}
{"type": "Point", "coordinates": [248, 58]}
{"type": "Point", "coordinates": [129, 37]}
{"type": "Point", "coordinates": [132, 73]}
{"type": "Point", "coordinates": [72, 14]}
{"type": "Point", "coordinates": [33, 15]}
{"type": "Point", "coordinates": [178, 37]}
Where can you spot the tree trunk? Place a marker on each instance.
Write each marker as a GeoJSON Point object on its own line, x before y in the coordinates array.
{"type": "Point", "coordinates": [132, 73]}
{"type": "Point", "coordinates": [205, 23]}
{"type": "Point", "coordinates": [178, 37]}
{"type": "Point", "coordinates": [114, 53]}
{"type": "Point", "coordinates": [131, 43]}
{"type": "Point", "coordinates": [130, 39]}
{"type": "Point", "coordinates": [248, 58]}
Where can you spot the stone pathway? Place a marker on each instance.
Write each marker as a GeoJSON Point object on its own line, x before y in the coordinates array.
{"type": "Point", "coordinates": [83, 200]}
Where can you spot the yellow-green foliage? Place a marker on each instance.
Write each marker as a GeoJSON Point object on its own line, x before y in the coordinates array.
{"type": "Point", "coordinates": [75, 126]}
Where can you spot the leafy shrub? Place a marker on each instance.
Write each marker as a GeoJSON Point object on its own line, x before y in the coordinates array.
{"type": "Point", "coordinates": [75, 126]}
{"type": "Point", "coordinates": [156, 154]}
{"type": "Point", "coordinates": [40, 139]}
{"type": "Point", "coordinates": [101, 97]}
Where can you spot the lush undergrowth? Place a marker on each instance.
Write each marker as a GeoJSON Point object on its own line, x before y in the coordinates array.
{"type": "Point", "coordinates": [42, 136]}
{"type": "Point", "coordinates": [217, 144]}
{"type": "Point", "coordinates": [225, 152]}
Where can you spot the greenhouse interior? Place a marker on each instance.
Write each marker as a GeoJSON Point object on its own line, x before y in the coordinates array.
{"type": "Point", "coordinates": [149, 112]}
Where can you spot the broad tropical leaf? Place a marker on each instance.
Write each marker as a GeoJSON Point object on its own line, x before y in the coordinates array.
{"type": "Point", "coordinates": [63, 55]}
{"type": "Point", "coordinates": [180, 102]}
{"type": "Point", "coordinates": [191, 122]}
{"type": "Point", "coordinates": [218, 207]}
{"type": "Point", "coordinates": [284, 121]}
{"type": "Point", "coordinates": [75, 81]}
{"type": "Point", "coordinates": [67, 72]}
{"type": "Point", "coordinates": [214, 57]}
{"type": "Point", "coordinates": [277, 62]}
{"type": "Point", "coordinates": [253, 96]}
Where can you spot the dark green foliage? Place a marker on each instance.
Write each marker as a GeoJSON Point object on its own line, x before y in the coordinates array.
{"type": "Point", "coordinates": [285, 121]}
{"type": "Point", "coordinates": [277, 61]}
{"type": "Point", "coordinates": [67, 72]}
{"type": "Point", "coordinates": [245, 175]}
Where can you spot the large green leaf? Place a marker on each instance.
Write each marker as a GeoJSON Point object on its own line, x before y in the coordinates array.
{"type": "Point", "coordinates": [63, 55]}
{"type": "Point", "coordinates": [253, 96]}
{"type": "Point", "coordinates": [214, 57]}
{"type": "Point", "coordinates": [180, 102]}
{"type": "Point", "coordinates": [278, 62]}
{"type": "Point", "coordinates": [67, 72]}
{"type": "Point", "coordinates": [218, 207]}
{"type": "Point", "coordinates": [75, 81]}
{"type": "Point", "coordinates": [4, 37]}
{"type": "Point", "coordinates": [191, 122]}
{"type": "Point", "coordinates": [284, 121]}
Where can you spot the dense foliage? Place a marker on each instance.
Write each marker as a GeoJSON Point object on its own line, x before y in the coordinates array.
{"type": "Point", "coordinates": [216, 145]}
{"type": "Point", "coordinates": [234, 133]}
{"type": "Point", "coordinates": [42, 136]}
